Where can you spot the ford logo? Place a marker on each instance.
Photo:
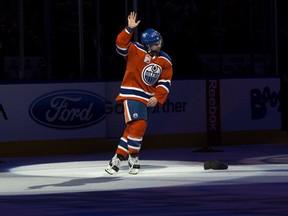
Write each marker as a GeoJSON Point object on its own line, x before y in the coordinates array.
{"type": "Point", "coordinates": [68, 109]}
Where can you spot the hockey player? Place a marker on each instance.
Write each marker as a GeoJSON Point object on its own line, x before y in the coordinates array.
{"type": "Point", "coordinates": [146, 83]}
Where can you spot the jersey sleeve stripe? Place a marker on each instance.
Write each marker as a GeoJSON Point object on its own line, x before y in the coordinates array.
{"type": "Point", "coordinates": [122, 51]}
{"type": "Point", "coordinates": [165, 84]}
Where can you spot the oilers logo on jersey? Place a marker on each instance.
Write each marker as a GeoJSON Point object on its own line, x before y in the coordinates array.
{"type": "Point", "coordinates": [151, 74]}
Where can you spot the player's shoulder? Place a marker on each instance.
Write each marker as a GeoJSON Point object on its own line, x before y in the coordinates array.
{"type": "Point", "coordinates": [139, 46]}
{"type": "Point", "coordinates": [164, 55]}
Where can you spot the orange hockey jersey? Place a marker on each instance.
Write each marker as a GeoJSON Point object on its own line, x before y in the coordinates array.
{"type": "Point", "coordinates": [145, 76]}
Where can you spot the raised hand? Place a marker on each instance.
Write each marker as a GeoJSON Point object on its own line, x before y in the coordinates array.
{"type": "Point", "coordinates": [132, 23]}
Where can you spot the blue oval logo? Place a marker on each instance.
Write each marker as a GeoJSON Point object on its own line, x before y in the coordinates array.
{"type": "Point", "coordinates": [68, 109]}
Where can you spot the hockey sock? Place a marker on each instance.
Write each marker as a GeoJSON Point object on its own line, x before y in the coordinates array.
{"type": "Point", "coordinates": [136, 132]}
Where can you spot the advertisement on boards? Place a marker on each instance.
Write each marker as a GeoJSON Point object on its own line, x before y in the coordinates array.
{"type": "Point", "coordinates": [250, 104]}
{"type": "Point", "coordinates": [52, 111]}
{"type": "Point", "coordinates": [183, 112]}
{"type": "Point", "coordinates": [88, 110]}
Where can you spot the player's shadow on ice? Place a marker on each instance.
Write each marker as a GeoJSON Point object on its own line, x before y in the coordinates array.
{"type": "Point", "coordinates": [84, 181]}
{"type": "Point", "coordinates": [78, 182]}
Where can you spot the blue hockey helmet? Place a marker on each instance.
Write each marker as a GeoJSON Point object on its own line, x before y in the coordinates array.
{"type": "Point", "coordinates": [150, 36]}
